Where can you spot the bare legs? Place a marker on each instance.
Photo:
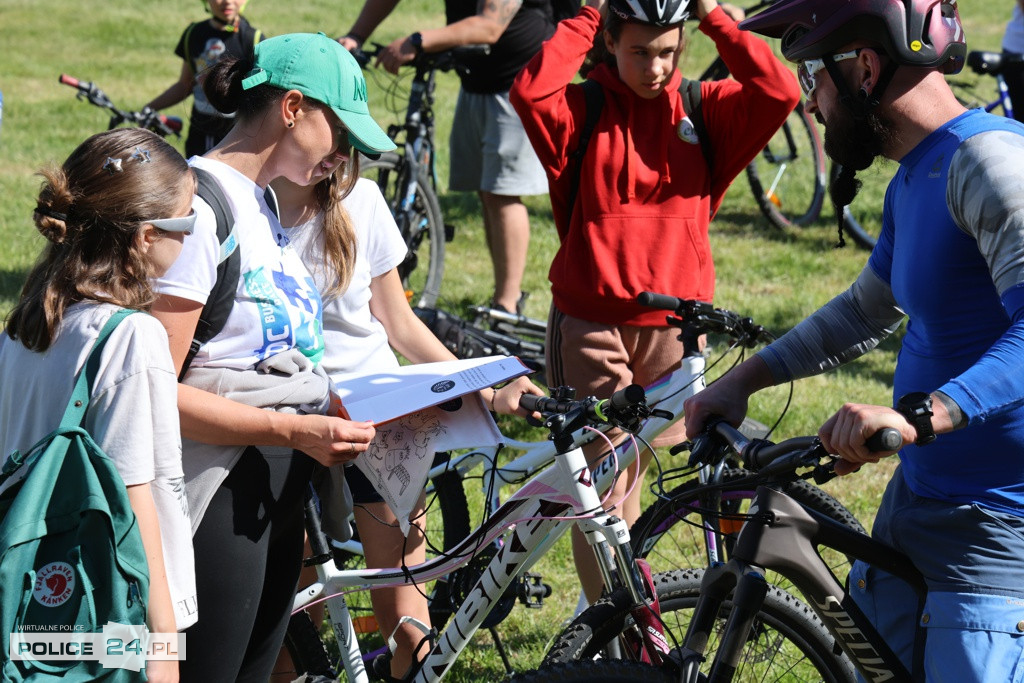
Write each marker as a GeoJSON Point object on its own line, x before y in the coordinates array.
{"type": "Point", "coordinates": [383, 546]}
{"type": "Point", "coordinates": [507, 229]}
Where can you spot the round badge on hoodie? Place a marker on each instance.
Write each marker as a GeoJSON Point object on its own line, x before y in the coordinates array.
{"type": "Point", "coordinates": [686, 132]}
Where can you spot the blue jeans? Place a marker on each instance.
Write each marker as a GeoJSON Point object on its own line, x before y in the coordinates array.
{"type": "Point", "coordinates": [972, 560]}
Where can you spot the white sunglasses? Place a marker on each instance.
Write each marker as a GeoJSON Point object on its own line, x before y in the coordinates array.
{"type": "Point", "coordinates": [808, 69]}
{"type": "Point", "coordinates": [181, 224]}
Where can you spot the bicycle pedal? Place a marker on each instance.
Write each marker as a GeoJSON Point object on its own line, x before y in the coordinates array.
{"type": "Point", "coordinates": [531, 591]}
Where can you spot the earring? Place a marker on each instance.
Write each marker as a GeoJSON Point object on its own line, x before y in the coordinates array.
{"type": "Point", "coordinates": [863, 93]}
{"type": "Point", "coordinates": [291, 124]}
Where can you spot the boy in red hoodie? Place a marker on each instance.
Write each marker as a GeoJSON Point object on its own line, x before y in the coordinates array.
{"type": "Point", "coordinates": [646, 193]}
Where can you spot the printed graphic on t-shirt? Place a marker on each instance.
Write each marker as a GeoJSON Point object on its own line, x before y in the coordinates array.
{"type": "Point", "coordinates": [289, 313]}
{"type": "Point", "coordinates": [211, 54]}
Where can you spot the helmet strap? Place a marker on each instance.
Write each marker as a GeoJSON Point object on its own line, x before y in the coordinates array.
{"type": "Point", "coordinates": [862, 103]}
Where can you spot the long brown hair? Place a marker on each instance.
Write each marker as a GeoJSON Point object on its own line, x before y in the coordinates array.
{"type": "Point", "coordinates": [91, 214]}
{"type": "Point", "coordinates": [338, 231]}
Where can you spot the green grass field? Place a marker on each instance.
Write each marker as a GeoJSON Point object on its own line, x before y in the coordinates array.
{"type": "Point", "coordinates": [777, 277]}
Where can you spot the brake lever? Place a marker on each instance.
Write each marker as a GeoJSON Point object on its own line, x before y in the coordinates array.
{"type": "Point", "coordinates": [826, 471]}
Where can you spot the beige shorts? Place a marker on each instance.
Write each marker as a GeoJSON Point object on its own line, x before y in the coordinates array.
{"type": "Point", "coordinates": [598, 359]}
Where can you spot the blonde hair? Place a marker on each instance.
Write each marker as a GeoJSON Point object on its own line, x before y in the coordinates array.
{"type": "Point", "coordinates": [338, 232]}
{"type": "Point", "coordinates": [91, 215]}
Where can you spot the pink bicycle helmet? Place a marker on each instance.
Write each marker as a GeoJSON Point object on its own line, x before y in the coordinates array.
{"type": "Point", "coordinates": [655, 12]}
{"type": "Point", "coordinates": [924, 33]}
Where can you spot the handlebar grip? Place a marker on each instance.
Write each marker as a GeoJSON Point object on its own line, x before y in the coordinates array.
{"type": "Point", "coordinates": [68, 80]}
{"type": "Point", "coordinates": [662, 301]}
{"type": "Point", "coordinates": [361, 57]}
{"type": "Point", "coordinates": [532, 403]}
{"type": "Point", "coordinates": [173, 123]}
{"type": "Point", "coordinates": [627, 397]}
{"type": "Point", "coordinates": [886, 439]}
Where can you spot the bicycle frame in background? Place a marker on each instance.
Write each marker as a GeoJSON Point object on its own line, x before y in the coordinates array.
{"type": "Point", "coordinates": [407, 179]}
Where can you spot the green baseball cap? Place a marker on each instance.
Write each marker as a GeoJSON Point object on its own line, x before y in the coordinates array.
{"type": "Point", "coordinates": [323, 70]}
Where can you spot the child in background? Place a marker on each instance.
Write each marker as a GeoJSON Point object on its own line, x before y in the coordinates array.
{"type": "Point", "coordinates": [345, 233]}
{"type": "Point", "coordinates": [646, 196]}
{"type": "Point", "coordinates": [203, 44]}
{"type": "Point", "coordinates": [114, 215]}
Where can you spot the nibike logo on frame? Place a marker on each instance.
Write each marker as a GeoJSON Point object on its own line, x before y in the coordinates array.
{"type": "Point", "coordinates": [55, 584]}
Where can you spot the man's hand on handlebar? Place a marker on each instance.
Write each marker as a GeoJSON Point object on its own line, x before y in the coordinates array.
{"type": "Point", "coordinates": [845, 434]}
{"type": "Point", "coordinates": [398, 53]}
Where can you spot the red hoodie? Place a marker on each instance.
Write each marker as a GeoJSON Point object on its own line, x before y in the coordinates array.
{"type": "Point", "coordinates": [645, 197]}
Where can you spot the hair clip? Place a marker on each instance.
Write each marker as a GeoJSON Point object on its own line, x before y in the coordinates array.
{"type": "Point", "coordinates": [112, 166]}
{"type": "Point", "coordinates": [140, 155]}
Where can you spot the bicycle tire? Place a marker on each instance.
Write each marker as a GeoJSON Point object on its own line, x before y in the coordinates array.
{"type": "Point", "coordinates": [789, 642]}
{"type": "Point", "coordinates": [423, 229]}
{"type": "Point", "coordinates": [792, 165]}
{"type": "Point", "coordinates": [594, 671]}
{"type": "Point", "coordinates": [307, 650]}
{"type": "Point", "coordinates": [314, 651]}
{"type": "Point", "coordinates": [666, 536]}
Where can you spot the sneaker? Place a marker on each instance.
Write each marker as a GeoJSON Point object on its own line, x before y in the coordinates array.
{"type": "Point", "coordinates": [523, 296]}
{"type": "Point", "coordinates": [380, 668]}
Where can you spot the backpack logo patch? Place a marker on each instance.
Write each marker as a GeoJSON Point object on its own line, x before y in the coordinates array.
{"type": "Point", "coordinates": [686, 132]}
{"type": "Point", "coordinates": [55, 583]}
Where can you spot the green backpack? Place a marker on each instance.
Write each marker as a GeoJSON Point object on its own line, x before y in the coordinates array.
{"type": "Point", "coordinates": [71, 554]}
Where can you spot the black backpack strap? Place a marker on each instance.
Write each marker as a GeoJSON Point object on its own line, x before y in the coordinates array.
{"type": "Point", "coordinates": [593, 96]}
{"type": "Point", "coordinates": [690, 90]}
{"type": "Point", "coordinates": [222, 296]}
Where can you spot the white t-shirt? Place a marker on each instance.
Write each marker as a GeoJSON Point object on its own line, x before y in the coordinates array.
{"type": "Point", "coordinates": [133, 416]}
{"type": "Point", "coordinates": [277, 305]}
{"type": "Point", "coordinates": [355, 340]}
{"type": "Point", "coordinates": [1013, 39]}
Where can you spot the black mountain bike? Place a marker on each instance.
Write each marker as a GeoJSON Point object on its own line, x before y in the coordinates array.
{"type": "Point", "coordinates": [406, 176]}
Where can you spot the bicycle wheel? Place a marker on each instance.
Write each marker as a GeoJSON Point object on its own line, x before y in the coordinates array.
{"type": "Point", "coordinates": [421, 223]}
{"type": "Point", "coordinates": [862, 220]}
{"type": "Point", "coordinates": [668, 534]}
{"type": "Point", "coordinates": [787, 643]}
{"type": "Point", "coordinates": [315, 650]}
{"type": "Point", "coordinates": [788, 176]}
{"type": "Point", "coordinates": [594, 671]}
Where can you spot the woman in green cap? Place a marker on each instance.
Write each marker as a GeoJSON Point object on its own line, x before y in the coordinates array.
{"type": "Point", "coordinates": [253, 393]}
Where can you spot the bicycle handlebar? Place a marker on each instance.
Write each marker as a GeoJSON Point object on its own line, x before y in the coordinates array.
{"type": "Point", "coordinates": [766, 457]}
{"type": "Point", "coordinates": [703, 317]}
{"type": "Point", "coordinates": [625, 408]}
{"type": "Point", "coordinates": [427, 61]}
{"type": "Point", "coordinates": [147, 118]}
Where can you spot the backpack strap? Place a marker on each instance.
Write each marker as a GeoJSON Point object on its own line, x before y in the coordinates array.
{"type": "Point", "coordinates": [74, 414]}
{"type": "Point", "coordinates": [690, 90]}
{"type": "Point", "coordinates": [593, 97]}
{"type": "Point", "coordinates": [222, 296]}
